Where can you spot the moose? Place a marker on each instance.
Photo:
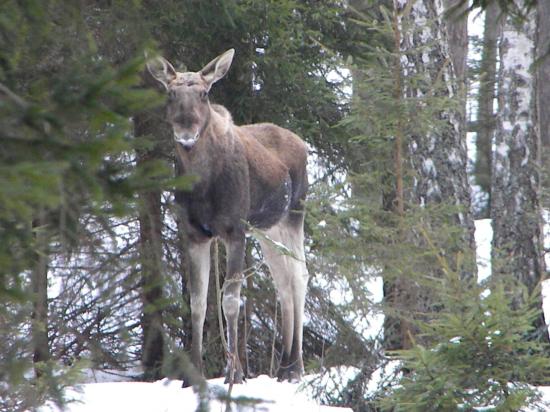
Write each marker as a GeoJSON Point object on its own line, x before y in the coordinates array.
{"type": "Point", "coordinates": [251, 176]}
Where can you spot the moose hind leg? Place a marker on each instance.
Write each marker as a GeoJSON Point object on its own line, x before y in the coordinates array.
{"type": "Point", "coordinates": [231, 303]}
{"type": "Point", "coordinates": [300, 278]}
{"type": "Point", "coordinates": [287, 266]}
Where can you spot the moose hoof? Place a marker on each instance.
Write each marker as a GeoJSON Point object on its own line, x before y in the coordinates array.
{"type": "Point", "coordinates": [234, 374]}
{"type": "Point", "coordinates": [289, 374]}
{"type": "Point", "coordinates": [238, 377]}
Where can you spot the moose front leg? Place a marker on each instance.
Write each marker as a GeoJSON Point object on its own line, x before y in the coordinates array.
{"type": "Point", "coordinates": [235, 248]}
{"type": "Point", "coordinates": [199, 254]}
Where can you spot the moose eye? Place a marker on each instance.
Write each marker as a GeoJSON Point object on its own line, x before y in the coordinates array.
{"type": "Point", "coordinates": [204, 94]}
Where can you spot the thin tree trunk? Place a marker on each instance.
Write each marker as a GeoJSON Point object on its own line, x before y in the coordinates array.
{"type": "Point", "coordinates": [246, 314]}
{"type": "Point", "coordinates": [39, 283]}
{"type": "Point", "coordinates": [150, 220]}
{"type": "Point", "coordinates": [515, 210]}
{"type": "Point", "coordinates": [397, 330]}
{"type": "Point", "coordinates": [543, 71]}
{"type": "Point", "coordinates": [215, 344]}
{"type": "Point", "coordinates": [457, 29]}
{"type": "Point", "coordinates": [184, 270]}
{"type": "Point", "coordinates": [543, 95]}
{"type": "Point", "coordinates": [485, 125]}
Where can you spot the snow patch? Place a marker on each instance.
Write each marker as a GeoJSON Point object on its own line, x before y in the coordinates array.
{"type": "Point", "coordinates": [429, 167]}
{"type": "Point", "coordinates": [456, 339]}
{"type": "Point", "coordinates": [168, 396]}
{"type": "Point", "coordinates": [503, 149]}
{"type": "Point", "coordinates": [483, 237]}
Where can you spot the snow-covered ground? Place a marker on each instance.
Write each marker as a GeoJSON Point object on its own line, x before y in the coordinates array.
{"type": "Point", "coordinates": [109, 394]}
{"type": "Point", "coordinates": [168, 395]}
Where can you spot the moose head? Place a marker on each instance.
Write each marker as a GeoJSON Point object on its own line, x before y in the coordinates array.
{"type": "Point", "coordinates": [188, 108]}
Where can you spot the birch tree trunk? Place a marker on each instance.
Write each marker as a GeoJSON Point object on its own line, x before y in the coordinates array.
{"type": "Point", "coordinates": [515, 186]}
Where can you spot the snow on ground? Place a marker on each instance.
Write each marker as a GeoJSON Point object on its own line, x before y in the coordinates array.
{"type": "Point", "coordinates": [168, 395]}
{"type": "Point", "coordinates": [545, 399]}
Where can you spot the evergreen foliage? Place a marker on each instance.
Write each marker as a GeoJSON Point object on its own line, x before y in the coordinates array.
{"type": "Point", "coordinates": [479, 356]}
{"type": "Point", "coordinates": [65, 121]}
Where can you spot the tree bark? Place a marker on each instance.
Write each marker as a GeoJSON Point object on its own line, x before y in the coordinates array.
{"type": "Point", "coordinates": [39, 284]}
{"type": "Point", "coordinates": [397, 331]}
{"type": "Point", "coordinates": [543, 95]}
{"type": "Point", "coordinates": [485, 124]}
{"type": "Point", "coordinates": [436, 154]}
{"type": "Point", "coordinates": [457, 29]}
{"type": "Point", "coordinates": [515, 210]}
{"type": "Point", "coordinates": [543, 71]}
{"type": "Point", "coordinates": [150, 221]}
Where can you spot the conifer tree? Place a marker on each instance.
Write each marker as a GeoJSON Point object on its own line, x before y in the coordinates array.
{"type": "Point", "coordinates": [65, 118]}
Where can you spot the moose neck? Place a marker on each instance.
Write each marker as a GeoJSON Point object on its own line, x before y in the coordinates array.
{"type": "Point", "coordinates": [205, 158]}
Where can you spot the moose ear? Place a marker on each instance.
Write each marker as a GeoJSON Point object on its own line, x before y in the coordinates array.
{"type": "Point", "coordinates": [218, 67]}
{"type": "Point", "coordinates": [162, 70]}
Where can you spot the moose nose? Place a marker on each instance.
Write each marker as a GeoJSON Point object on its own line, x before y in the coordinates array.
{"type": "Point", "coordinates": [185, 138]}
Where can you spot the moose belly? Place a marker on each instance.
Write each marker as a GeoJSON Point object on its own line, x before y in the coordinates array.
{"type": "Point", "coordinates": [268, 204]}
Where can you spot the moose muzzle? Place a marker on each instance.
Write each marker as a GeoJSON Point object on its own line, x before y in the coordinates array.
{"type": "Point", "coordinates": [186, 139]}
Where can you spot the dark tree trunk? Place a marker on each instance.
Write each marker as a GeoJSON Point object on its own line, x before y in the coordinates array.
{"type": "Point", "coordinates": [436, 155]}
{"type": "Point", "coordinates": [543, 95]}
{"type": "Point", "coordinates": [244, 323]}
{"type": "Point", "coordinates": [517, 221]}
{"type": "Point", "coordinates": [213, 349]}
{"type": "Point", "coordinates": [543, 71]}
{"type": "Point", "coordinates": [39, 284]}
{"type": "Point", "coordinates": [184, 271]}
{"type": "Point", "coordinates": [485, 125]}
{"type": "Point", "coordinates": [457, 29]}
{"type": "Point", "coordinates": [150, 221]}
{"type": "Point", "coordinates": [397, 331]}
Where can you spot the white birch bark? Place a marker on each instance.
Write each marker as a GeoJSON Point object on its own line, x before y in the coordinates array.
{"type": "Point", "coordinates": [515, 210]}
